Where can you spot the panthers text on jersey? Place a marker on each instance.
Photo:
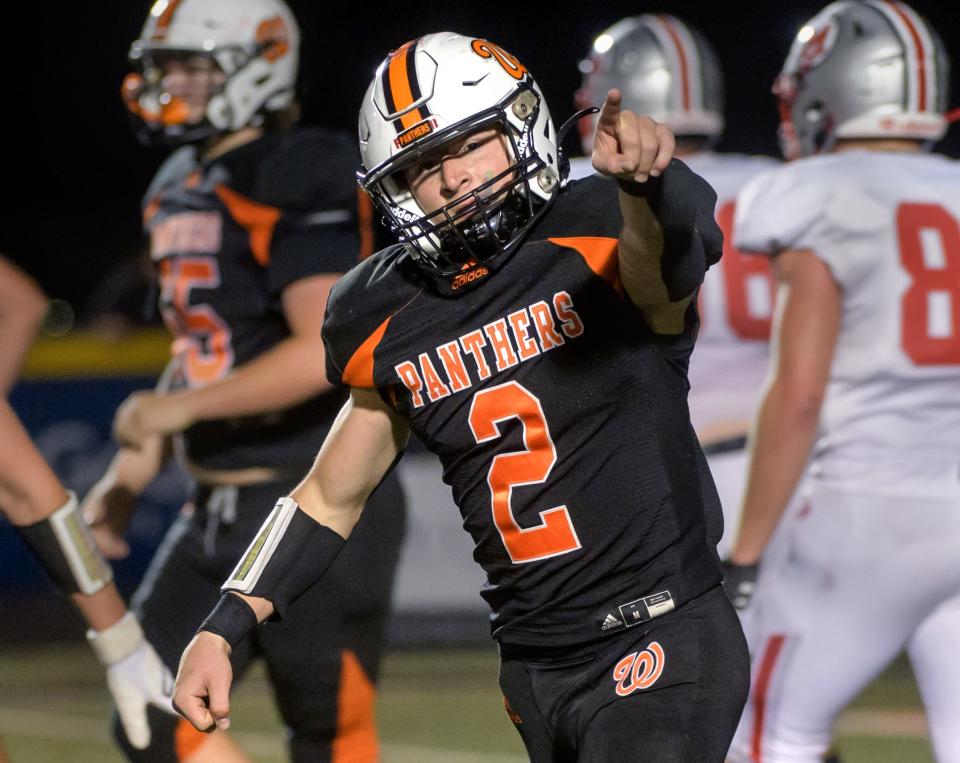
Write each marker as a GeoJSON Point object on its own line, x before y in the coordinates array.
{"type": "Point", "coordinates": [227, 236]}
{"type": "Point", "coordinates": [886, 224]}
{"type": "Point", "coordinates": [559, 417]}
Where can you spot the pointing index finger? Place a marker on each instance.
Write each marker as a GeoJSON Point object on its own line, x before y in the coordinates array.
{"type": "Point", "coordinates": [610, 111]}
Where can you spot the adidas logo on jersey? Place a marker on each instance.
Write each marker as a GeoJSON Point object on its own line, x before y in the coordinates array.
{"type": "Point", "coordinates": [610, 622]}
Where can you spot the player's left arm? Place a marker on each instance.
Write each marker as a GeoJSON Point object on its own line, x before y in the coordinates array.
{"type": "Point", "coordinates": [47, 517]}
{"type": "Point", "coordinates": [807, 323]}
{"type": "Point", "coordinates": [22, 307]}
{"type": "Point", "coordinates": [662, 256]}
{"type": "Point", "coordinates": [288, 373]}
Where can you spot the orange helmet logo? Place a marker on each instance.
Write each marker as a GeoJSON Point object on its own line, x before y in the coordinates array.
{"type": "Point", "coordinates": [510, 64]}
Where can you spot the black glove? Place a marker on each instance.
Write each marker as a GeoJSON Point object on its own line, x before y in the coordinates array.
{"type": "Point", "coordinates": [740, 581]}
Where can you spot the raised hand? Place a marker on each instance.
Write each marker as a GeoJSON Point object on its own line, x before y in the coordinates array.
{"type": "Point", "coordinates": [627, 146]}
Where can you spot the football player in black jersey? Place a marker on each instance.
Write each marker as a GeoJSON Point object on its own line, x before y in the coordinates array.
{"type": "Point", "coordinates": [535, 334]}
{"type": "Point", "coordinates": [251, 222]}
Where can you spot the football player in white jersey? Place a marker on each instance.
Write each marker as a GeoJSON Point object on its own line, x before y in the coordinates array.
{"type": "Point", "coordinates": [666, 68]}
{"type": "Point", "coordinates": [864, 232]}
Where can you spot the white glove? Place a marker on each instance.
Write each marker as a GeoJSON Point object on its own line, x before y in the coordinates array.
{"type": "Point", "coordinates": [135, 674]}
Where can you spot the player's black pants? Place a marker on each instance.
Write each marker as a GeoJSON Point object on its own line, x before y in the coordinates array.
{"type": "Point", "coordinates": [666, 691]}
{"type": "Point", "coordinates": [322, 658]}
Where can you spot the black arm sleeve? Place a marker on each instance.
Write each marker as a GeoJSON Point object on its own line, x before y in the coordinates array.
{"type": "Point", "coordinates": [683, 203]}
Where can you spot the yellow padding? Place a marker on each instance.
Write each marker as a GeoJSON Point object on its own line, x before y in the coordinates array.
{"type": "Point", "coordinates": [85, 354]}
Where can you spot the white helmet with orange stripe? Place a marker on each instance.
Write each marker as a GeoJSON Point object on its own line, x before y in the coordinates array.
{"type": "Point", "coordinates": [862, 69]}
{"type": "Point", "coordinates": [441, 88]}
{"type": "Point", "coordinates": [663, 67]}
{"type": "Point", "coordinates": [252, 45]}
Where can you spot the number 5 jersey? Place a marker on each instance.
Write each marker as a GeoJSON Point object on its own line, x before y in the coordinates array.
{"type": "Point", "coordinates": [886, 224]}
{"type": "Point", "coordinates": [227, 237]}
{"type": "Point", "coordinates": [559, 417]}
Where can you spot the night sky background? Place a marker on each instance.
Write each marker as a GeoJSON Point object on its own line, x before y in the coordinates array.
{"type": "Point", "coordinates": [74, 172]}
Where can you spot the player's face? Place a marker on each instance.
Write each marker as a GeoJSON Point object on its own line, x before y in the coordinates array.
{"type": "Point", "coordinates": [192, 80]}
{"type": "Point", "coordinates": [458, 168]}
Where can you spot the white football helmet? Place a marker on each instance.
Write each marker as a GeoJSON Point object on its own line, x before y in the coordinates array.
{"type": "Point", "coordinates": [862, 69]}
{"type": "Point", "coordinates": [255, 43]}
{"type": "Point", "coordinates": [440, 88]}
{"type": "Point", "coordinates": [663, 67]}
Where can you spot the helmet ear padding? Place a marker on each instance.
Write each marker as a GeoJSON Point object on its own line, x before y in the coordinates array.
{"type": "Point", "coordinates": [437, 90]}
{"type": "Point", "coordinates": [870, 69]}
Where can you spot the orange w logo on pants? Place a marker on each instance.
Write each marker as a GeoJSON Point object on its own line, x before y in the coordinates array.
{"type": "Point", "coordinates": [639, 670]}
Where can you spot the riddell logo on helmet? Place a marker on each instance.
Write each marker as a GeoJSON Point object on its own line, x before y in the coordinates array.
{"type": "Point", "coordinates": [417, 131]}
{"type": "Point", "coordinates": [462, 279]}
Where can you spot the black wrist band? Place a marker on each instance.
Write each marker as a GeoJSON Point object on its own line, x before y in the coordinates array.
{"type": "Point", "coordinates": [232, 619]}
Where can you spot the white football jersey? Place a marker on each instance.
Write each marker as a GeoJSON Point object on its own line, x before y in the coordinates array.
{"type": "Point", "coordinates": [886, 224]}
{"type": "Point", "coordinates": [729, 364]}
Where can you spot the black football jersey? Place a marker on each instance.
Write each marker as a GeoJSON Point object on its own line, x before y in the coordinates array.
{"type": "Point", "coordinates": [560, 419]}
{"type": "Point", "coordinates": [227, 236]}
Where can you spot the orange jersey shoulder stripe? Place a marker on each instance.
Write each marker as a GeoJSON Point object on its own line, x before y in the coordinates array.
{"type": "Point", "coordinates": [258, 219]}
{"type": "Point", "coordinates": [359, 370]}
{"type": "Point", "coordinates": [600, 254]}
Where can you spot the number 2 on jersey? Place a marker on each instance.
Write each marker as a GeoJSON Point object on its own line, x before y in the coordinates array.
{"type": "Point", "coordinates": [930, 322]}
{"type": "Point", "coordinates": [555, 534]}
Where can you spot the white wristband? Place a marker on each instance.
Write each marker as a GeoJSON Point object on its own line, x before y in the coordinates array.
{"type": "Point", "coordinates": [120, 640]}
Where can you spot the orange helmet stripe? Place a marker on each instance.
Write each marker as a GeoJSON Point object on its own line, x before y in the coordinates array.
{"type": "Point", "coordinates": [163, 23]}
{"type": "Point", "coordinates": [402, 88]}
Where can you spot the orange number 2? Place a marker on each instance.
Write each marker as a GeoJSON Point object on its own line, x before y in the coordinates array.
{"type": "Point", "coordinates": [555, 534]}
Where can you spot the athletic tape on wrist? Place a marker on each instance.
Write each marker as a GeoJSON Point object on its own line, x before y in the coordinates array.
{"type": "Point", "coordinates": [232, 618]}
{"type": "Point", "coordinates": [289, 554]}
{"type": "Point", "coordinates": [120, 640]}
{"type": "Point", "coordinates": [66, 550]}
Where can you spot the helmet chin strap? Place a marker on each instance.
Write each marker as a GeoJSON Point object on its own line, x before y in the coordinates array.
{"type": "Point", "coordinates": [563, 163]}
{"type": "Point", "coordinates": [483, 238]}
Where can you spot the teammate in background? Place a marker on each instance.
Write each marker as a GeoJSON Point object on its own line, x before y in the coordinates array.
{"type": "Point", "coordinates": [864, 232]}
{"type": "Point", "coordinates": [535, 336]}
{"type": "Point", "coordinates": [45, 514]}
{"type": "Point", "coordinates": [251, 222]}
{"type": "Point", "coordinates": [666, 68]}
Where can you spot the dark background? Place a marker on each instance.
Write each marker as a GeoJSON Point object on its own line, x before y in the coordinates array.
{"type": "Point", "coordinates": [74, 173]}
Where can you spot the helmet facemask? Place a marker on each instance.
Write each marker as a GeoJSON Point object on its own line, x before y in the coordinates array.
{"type": "Point", "coordinates": [486, 222]}
{"type": "Point", "coordinates": [161, 117]}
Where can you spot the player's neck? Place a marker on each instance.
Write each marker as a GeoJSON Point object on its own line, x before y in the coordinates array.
{"type": "Point", "coordinates": [879, 144]}
{"type": "Point", "coordinates": [230, 141]}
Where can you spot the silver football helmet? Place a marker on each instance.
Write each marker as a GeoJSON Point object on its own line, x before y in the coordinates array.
{"type": "Point", "coordinates": [254, 44]}
{"type": "Point", "coordinates": [663, 67]}
{"type": "Point", "coordinates": [862, 69]}
{"type": "Point", "coordinates": [438, 89]}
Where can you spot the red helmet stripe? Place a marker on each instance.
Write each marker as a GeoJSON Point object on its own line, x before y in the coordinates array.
{"type": "Point", "coordinates": [919, 55]}
{"type": "Point", "coordinates": [682, 58]}
{"type": "Point", "coordinates": [919, 52]}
